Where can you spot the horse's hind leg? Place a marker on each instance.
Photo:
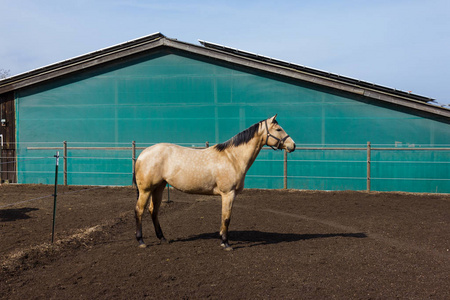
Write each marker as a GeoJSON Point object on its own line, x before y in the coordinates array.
{"type": "Point", "coordinates": [139, 210]}
{"type": "Point", "coordinates": [154, 209]}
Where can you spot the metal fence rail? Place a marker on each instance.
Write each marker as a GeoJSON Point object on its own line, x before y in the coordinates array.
{"type": "Point", "coordinates": [365, 151]}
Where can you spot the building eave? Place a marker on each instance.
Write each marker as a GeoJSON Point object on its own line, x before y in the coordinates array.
{"type": "Point", "coordinates": [292, 71]}
{"type": "Point", "coordinates": [81, 62]}
{"type": "Point", "coordinates": [225, 54]}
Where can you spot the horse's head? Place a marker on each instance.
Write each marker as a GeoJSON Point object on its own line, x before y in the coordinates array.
{"type": "Point", "coordinates": [276, 137]}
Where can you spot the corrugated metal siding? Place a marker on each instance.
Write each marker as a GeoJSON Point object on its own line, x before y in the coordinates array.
{"type": "Point", "coordinates": [169, 97]}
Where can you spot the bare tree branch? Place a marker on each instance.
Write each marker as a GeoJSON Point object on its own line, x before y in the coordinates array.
{"type": "Point", "coordinates": [4, 73]}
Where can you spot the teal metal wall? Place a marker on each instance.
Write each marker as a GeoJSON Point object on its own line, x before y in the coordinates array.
{"type": "Point", "coordinates": [178, 98]}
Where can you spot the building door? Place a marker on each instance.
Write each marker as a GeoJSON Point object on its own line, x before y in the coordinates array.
{"type": "Point", "coordinates": [7, 138]}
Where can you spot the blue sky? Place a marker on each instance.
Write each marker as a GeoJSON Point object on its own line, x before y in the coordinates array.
{"type": "Point", "coordinates": [399, 44]}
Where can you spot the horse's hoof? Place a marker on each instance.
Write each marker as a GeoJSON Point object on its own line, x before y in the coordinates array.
{"type": "Point", "coordinates": [226, 247]}
{"type": "Point", "coordinates": [163, 241]}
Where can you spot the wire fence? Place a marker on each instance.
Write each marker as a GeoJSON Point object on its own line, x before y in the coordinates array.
{"type": "Point", "coordinates": [362, 165]}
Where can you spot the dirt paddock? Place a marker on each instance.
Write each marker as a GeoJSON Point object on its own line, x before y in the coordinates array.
{"type": "Point", "coordinates": [287, 245]}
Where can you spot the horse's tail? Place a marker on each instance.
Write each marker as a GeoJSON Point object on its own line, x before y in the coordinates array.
{"type": "Point", "coordinates": [135, 184]}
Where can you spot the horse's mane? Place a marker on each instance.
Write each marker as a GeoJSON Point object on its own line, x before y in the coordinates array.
{"type": "Point", "coordinates": [240, 138]}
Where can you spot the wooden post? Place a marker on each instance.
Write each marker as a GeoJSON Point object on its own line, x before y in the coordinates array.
{"type": "Point", "coordinates": [368, 166]}
{"type": "Point", "coordinates": [65, 161]}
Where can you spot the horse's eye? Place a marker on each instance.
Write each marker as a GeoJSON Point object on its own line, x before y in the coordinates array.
{"type": "Point", "coordinates": [279, 129]}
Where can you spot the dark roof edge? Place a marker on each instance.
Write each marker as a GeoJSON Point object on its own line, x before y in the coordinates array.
{"type": "Point", "coordinates": [271, 66]}
{"type": "Point", "coordinates": [315, 71]}
{"type": "Point", "coordinates": [82, 61]}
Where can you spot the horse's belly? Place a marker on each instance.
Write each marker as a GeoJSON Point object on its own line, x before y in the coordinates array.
{"type": "Point", "coordinates": [192, 181]}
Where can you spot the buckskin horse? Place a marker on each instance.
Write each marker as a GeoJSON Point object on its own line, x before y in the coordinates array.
{"type": "Point", "coordinates": [217, 170]}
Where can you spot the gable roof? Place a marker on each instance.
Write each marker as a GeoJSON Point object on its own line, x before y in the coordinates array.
{"type": "Point", "coordinates": [227, 54]}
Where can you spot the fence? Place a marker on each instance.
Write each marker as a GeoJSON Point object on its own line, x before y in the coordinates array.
{"type": "Point", "coordinates": [398, 161]}
{"type": "Point", "coordinates": [353, 167]}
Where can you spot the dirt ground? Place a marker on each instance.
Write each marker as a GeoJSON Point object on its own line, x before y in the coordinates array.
{"type": "Point", "coordinates": [287, 245]}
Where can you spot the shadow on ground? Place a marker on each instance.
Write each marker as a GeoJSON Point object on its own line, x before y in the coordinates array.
{"type": "Point", "coordinates": [257, 238]}
{"type": "Point", "coordinates": [13, 214]}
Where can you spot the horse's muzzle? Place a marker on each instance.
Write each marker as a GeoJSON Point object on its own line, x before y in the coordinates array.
{"type": "Point", "coordinates": [290, 148]}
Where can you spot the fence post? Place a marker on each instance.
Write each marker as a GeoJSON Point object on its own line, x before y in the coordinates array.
{"type": "Point", "coordinates": [54, 195]}
{"type": "Point", "coordinates": [133, 159]}
{"type": "Point", "coordinates": [285, 170]}
{"type": "Point", "coordinates": [65, 161]}
{"type": "Point", "coordinates": [368, 166]}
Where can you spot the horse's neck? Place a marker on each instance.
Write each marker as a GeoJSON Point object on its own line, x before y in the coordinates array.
{"type": "Point", "coordinates": [244, 155]}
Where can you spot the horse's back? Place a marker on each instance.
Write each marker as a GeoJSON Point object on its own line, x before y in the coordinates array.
{"type": "Point", "coordinates": [154, 157]}
{"type": "Point", "coordinates": [162, 152]}
{"type": "Point", "coordinates": [187, 169]}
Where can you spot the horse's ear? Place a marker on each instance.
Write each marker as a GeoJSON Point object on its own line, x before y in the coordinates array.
{"type": "Point", "coordinates": [273, 118]}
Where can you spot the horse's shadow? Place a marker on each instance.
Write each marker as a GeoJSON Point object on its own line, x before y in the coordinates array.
{"type": "Point", "coordinates": [251, 238]}
{"type": "Point", "coordinates": [13, 214]}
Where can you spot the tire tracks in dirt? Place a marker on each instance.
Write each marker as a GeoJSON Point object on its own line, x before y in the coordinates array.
{"type": "Point", "coordinates": [374, 236]}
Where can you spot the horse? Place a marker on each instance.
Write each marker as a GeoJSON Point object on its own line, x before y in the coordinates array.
{"type": "Point", "coordinates": [217, 170]}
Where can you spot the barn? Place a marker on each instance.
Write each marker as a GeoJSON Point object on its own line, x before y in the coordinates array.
{"type": "Point", "coordinates": [99, 110]}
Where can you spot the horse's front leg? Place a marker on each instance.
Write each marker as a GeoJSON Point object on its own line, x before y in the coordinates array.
{"type": "Point", "coordinates": [227, 205]}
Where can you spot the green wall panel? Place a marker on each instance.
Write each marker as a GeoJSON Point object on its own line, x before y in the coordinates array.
{"type": "Point", "coordinates": [327, 169]}
{"type": "Point", "coordinates": [178, 98]}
